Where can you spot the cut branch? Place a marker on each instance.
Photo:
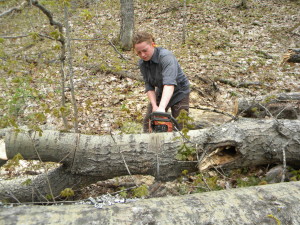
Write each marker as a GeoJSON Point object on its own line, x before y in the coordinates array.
{"type": "Point", "coordinates": [101, 39]}
{"type": "Point", "coordinates": [215, 110]}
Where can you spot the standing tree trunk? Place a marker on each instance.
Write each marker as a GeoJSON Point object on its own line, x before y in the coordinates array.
{"type": "Point", "coordinates": [127, 24]}
{"type": "Point", "coordinates": [71, 71]}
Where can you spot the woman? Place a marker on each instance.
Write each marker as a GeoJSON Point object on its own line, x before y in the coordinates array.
{"type": "Point", "coordinates": [165, 83]}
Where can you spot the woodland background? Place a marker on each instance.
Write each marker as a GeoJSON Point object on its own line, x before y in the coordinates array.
{"type": "Point", "coordinates": [220, 46]}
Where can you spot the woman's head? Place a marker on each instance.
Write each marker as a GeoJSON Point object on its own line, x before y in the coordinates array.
{"type": "Point", "coordinates": [140, 37]}
{"type": "Point", "coordinates": [143, 44]}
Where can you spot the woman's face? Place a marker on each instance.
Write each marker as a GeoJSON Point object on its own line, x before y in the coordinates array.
{"type": "Point", "coordinates": [144, 50]}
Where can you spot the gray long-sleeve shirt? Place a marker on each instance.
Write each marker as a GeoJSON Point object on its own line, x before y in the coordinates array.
{"type": "Point", "coordinates": [164, 69]}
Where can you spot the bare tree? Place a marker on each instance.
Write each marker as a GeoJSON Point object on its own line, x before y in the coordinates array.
{"type": "Point", "coordinates": [65, 43]}
{"type": "Point", "coordinates": [127, 24]}
{"type": "Point", "coordinates": [71, 73]}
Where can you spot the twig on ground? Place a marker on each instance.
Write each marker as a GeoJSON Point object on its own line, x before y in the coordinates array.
{"type": "Point", "coordinates": [204, 180]}
{"type": "Point", "coordinates": [284, 164]}
{"type": "Point", "coordinates": [101, 39]}
{"type": "Point", "coordinates": [216, 111]}
{"type": "Point", "coordinates": [284, 108]}
{"type": "Point", "coordinates": [14, 9]}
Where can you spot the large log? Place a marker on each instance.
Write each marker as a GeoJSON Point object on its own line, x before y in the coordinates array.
{"type": "Point", "coordinates": [242, 143]}
{"type": "Point", "coordinates": [104, 156]}
{"type": "Point", "coordinates": [280, 106]}
{"type": "Point", "coordinates": [245, 142]}
{"type": "Point", "coordinates": [267, 204]}
{"type": "Point", "coordinates": [253, 142]}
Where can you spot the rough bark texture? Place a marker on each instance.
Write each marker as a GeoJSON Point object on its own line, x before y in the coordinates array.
{"type": "Point", "coordinates": [246, 142]}
{"type": "Point", "coordinates": [266, 204]}
{"type": "Point", "coordinates": [103, 156]}
{"type": "Point", "coordinates": [127, 24]}
{"type": "Point", "coordinates": [281, 106]}
{"type": "Point", "coordinates": [249, 142]}
{"type": "Point", "coordinates": [36, 188]}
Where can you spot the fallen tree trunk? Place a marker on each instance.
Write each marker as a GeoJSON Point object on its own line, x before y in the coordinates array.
{"type": "Point", "coordinates": [103, 156]}
{"type": "Point", "coordinates": [280, 106]}
{"type": "Point", "coordinates": [246, 142]}
{"type": "Point", "coordinates": [266, 204]}
{"type": "Point", "coordinates": [253, 142]}
{"type": "Point", "coordinates": [243, 143]}
{"type": "Point", "coordinates": [37, 188]}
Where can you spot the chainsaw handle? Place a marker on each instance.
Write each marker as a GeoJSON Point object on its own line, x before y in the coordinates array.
{"type": "Point", "coordinates": [164, 114]}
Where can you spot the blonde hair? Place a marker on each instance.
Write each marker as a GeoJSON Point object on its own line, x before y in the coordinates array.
{"type": "Point", "coordinates": [140, 37]}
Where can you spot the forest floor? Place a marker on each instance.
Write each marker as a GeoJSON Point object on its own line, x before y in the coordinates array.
{"type": "Point", "coordinates": [224, 46]}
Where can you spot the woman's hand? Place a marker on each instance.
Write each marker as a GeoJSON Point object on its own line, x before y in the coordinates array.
{"type": "Point", "coordinates": [160, 110]}
{"type": "Point", "coordinates": [154, 108]}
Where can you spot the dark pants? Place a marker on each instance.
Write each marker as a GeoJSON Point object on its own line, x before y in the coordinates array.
{"type": "Point", "coordinates": [175, 111]}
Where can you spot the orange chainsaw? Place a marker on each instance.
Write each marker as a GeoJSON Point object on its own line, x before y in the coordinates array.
{"type": "Point", "coordinates": [162, 122]}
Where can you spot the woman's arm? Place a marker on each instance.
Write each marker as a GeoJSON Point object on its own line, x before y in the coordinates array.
{"type": "Point", "coordinates": [166, 96]}
{"type": "Point", "coordinates": [152, 98]}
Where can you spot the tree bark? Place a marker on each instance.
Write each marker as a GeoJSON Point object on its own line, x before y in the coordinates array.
{"type": "Point", "coordinates": [103, 156]}
{"type": "Point", "coordinates": [69, 57]}
{"type": "Point", "coordinates": [127, 24]}
{"type": "Point", "coordinates": [252, 142]}
{"type": "Point", "coordinates": [246, 142]}
{"type": "Point", "coordinates": [36, 188]}
{"type": "Point", "coordinates": [281, 106]}
{"type": "Point", "coordinates": [266, 204]}
{"type": "Point", "coordinates": [242, 143]}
